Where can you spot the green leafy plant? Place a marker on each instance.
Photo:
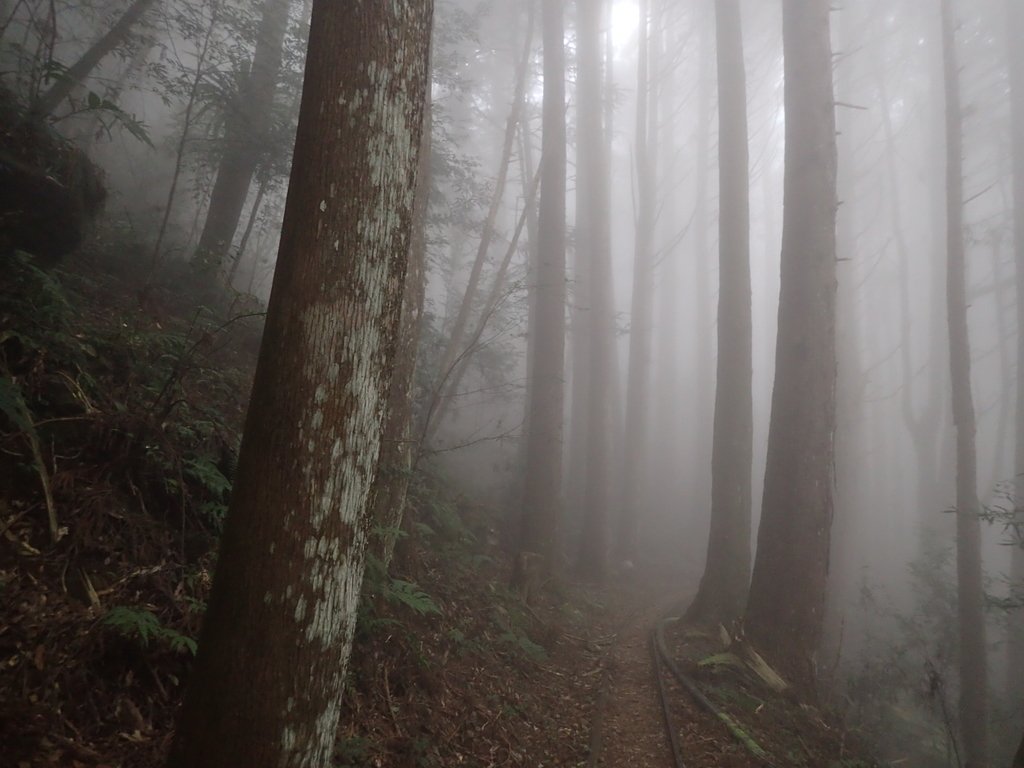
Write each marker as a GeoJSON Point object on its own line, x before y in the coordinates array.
{"type": "Point", "coordinates": [409, 594]}
{"type": "Point", "coordinates": [207, 474]}
{"type": "Point", "coordinates": [144, 626]}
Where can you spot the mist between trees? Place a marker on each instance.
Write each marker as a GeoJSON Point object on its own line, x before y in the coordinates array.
{"type": "Point", "coordinates": [729, 287]}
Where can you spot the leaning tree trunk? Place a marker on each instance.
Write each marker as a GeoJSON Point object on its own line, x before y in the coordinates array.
{"type": "Point", "coordinates": [970, 592]}
{"type": "Point", "coordinates": [254, 213]}
{"type": "Point", "coordinates": [76, 74]}
{"type": "Point", "coordinates": [723, 589]}
{"type": "Point", "coordinates": [246, 127]}
{"type": "Point", "coordinates": [1016, 634]}
{"type": "Point", "coordinates": [543, 482]}
{"type": "Point", "coordinates": [267, 683]}
{"type": "Point", "coordinates": [787, 591]}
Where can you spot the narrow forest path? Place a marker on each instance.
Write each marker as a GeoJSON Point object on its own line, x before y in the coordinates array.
{"type": "Point", "coordinates": [629, 727]}
{"type": "Point", "coordinates": [628, 723]}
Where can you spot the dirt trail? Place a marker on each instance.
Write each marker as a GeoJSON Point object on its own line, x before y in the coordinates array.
{"type": "Point", "coordinates": [628, 727]}
{"type": "Point", "coordinates": [631, 726]}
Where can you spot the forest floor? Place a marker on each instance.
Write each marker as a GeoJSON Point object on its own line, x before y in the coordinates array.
{"type": "Point", "coordinates": [121, 406]}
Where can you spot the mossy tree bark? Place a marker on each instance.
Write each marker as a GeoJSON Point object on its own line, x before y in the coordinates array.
{"type": "Point", "coordinates": [787, 592]}
{"type": "Point", "coordinates": [399, 444]}
{"type": "Point", "coordinates": [267, 683]}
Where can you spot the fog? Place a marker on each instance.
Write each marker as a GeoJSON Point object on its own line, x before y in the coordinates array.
{"type": "Point", "coordinates": [155, 113]}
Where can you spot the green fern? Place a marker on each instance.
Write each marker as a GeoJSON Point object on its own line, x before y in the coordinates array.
{"type": "Point", "coordinates": [144, 626]}
{"type": "Point", "coordinates": [206, 473]}
{"type": "Point", "coordinates": [409, 594]}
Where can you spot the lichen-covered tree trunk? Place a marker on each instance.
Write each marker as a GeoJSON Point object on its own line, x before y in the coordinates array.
{"type": "Point", "coordinates": [787, 592]}
{"type": "Point", "coordinates": [641, 308]}
{"type": "Point", "coordinates": [248, 122]}
{"type": "Point", "coordinates": [543, 482]}
{"type": "Point", "coordinates": [594, 250]}
{"type": "Point", "coordinates": [399, 445]}
{"type": "Point", "coordinates": [973, 705]}
{"type": "Point", "coordinates": [1015, 11]}
{"type": "Point", "coordinates": [723, 589]}
{"type": "Point", "coordinates": [267, 683]}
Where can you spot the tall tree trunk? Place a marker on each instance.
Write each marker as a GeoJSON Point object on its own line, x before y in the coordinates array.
{"type": "Point", "coordinates": [1015, 12]}
{"type": "Point", "coordinates": [246, 128]}
{"type": "Point", "coordinates": [76, 74]}
{"type": "Point", "coordinates": [639, 372]}
{"type": "Point", "coordinates": [543, 484]}
{"type": "Point", "coordinates": [849, 527]}
{"type": "Point", "coordinates": [704, 353]}
{"type": "Point", "coordinates": [970, 614]}
{"type": "Point", "coordinates": [399, 446]}
{"type": "Point", "coordinates": [787, 592]}
{"type": "Point", "coordinates": [935, 439]}
{"type": "Point", "coordinates": [723, 589]}
{"type": "Point", "coordinates": [267, 682]}
{"type": "Point", "coordinates": [594, 250]}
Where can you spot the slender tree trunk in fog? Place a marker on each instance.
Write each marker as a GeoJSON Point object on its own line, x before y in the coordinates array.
{"type": "Point", "coordinates": [247, 125]}
{"type": "Point", "coordinates": [723, 589]}
{"type": "Point", "coordinates": [112, 93]}
{"type": "Point", "coordinates": [179, 155]}
{"type": "Point", "coordinates": [970, 594]}
{"type": "Point", "coordinates": [254, 212]}
{"type": "Point", "coordinates": [76, 74]}
{"type": "Point", "coordinates": [454, 346]}
{"type": "Point", "coordinates": [638, 382]}
{"type": "Point", "coordinates": [543, 485]}
{"type": "Point", "coordinates": [267, 683]}
{"type": "Point", "coordinates": [1016, 631]}
{"type": "Point", "coordinates": [398, 447]}
{"type": "Point", "coordinates": [787, 592]}
{"type": "Point", "coordinates": [704, 289]}
{"type": "Point", "coordinates": [850, 526]}
{"type": "Point", "coordinates": [935, 440]}
{"type": "Point", "coordinates": [490, 305]}
{"type": "Point", "coordinates": [594, 248]}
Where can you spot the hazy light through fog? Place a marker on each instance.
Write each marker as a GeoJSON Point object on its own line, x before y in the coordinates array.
{"type": "Point", "coordinates": [625, 19]}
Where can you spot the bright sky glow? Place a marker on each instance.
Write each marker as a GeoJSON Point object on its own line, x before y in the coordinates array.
{"type": "Point", "coordinates": [625, 19]}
